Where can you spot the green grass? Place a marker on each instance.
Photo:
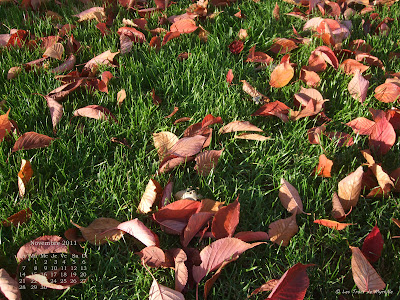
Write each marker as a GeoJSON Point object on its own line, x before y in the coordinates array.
{"type": "Point", "coordinates": [83, 176]}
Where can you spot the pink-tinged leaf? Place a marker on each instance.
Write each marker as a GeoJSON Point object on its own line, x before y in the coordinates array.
{"type": "Point", "coordinates": [151, 194]}
{"type": "Point", "coordinates": [358, 87]}
{"type": "Point", "coordinates": [290, 198]}
{"type": "Point", "coordinates": [239, 126]}
{"type": "Point", "coordinates": [316, 62]}
{"type": "Point", "coordinates": [337, 208]}
{"type": "Point", "coordinates": [213, 256]}
{"type": "Point", "coordinates": [266, 287]}
{"type": "Point", "coordinates": [94, 112]}
{"type": "Point", "coordinates": [68, 65]}
{"type": "Point", "coordinates": [188, 146]}
{"type": "Point", "coordinates": [181, 271]}
{"type": "Point", "coordinates": [275, 108]}
{"type": "Point", "coordinates": [252, 137]}
{"type": "Point", "coordinates": [64, 277]}
{"type": "Point", "coordinates": [196, 222]}
{"type": "Point", "coordinates": [229, 76]}
{"type": "Point", "coordinates": [373, 245]}
{"type": "Point", "coordinates": [169, 36]}
{"type": "Point", "coordinates": [387, 92]}
{"type": "Point", "coordinates": [332, 224]}
{"type": "Point", "coordinates": [135, 35]}
{"type": "Point", "coordinates": [349, 189]}
{"type": "Point", "coordinates": [310, 78]}
{"type": "Point", "coordinates": [206, 161]}
{"type": "Point", "coordinates": [382, 137]}
{"type": "Point", "coordinates": [160, 292]}
{"type": "Point", "coordinates": [314, 134]}
{"type": "Point", "coordinates": [166, 196]}
{"type": "Point", "coordinates": [226, 220]}
{"type": "Point", "coordinates": [32, 140]}
{"type": "Point", "coordinates": [361, 125]}
{"type": "Point", "coordinates": [350, 66]}
{"type": "Point", "coordinates": [210, 282]}
{"type": "Point", "coordinates": [369, 59]}
{"type": "Point", "coordinates": [42, 245]}
{"type": "Point", "coordinates": [251, 236]}
{"type": "Point", "coordinates": [139, 231]}
{"type": "Point", "coordinates": [56, 111]}
{"type": "Point", "coordinates": [313, 23]}
{"type": "Point", "coordinates": [306, 95]}
{"type": "Point", "coordinates": [364, 275]}
{"type": "Point", "coordinates": [172, 161]}
{"type": "Point", "coordinates": [105, 58]}
{"type": "Point", "coordinates": [184, 26]}
{"type": "Point", "coordinates": [8, 286]}
{"type": "Point", "coordinates": [293, 284]}
{"type": "Point", "coordinates": [324, 166]}
{"type": "Point", "coordinates": [180, 210]}
{"type": "Point", "coordinates": [329, 56]}
{"type": "Point", "coordinates": [281, 231]}
{"type": "Point", "coordinates": [312, 108]}
{"type": "Point", "coordinates": [61, 92]}
{"type": "Point", "coordinates": [152, 256]}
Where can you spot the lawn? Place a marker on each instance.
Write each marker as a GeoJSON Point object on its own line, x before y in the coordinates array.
{"type": "Point", "coordinates": [83, 176]}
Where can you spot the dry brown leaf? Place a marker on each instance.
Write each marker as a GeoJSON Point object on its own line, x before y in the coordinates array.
{"type": "Point", "coordinates": [18, 218]}
{"type": "Point", "coordinates": [290, 198]}
{"type": "Point", "coordinates": [55, 51]}
{"type": "Point", "coordinates": [121, 96]}
{"type": "Point", "coordinates": [310, 78]}
{"type": "Point", "coordinates": [349, 189]}
{"type": "Point", "coordinates": [8, 286]}
{"type": "Point", "coordinates": [97, 13]}
{"type": "Point", "coordinates": [94, 112]}
{"type": "Point", "coordinates": [5, 125]}
{"type": "Point", "coordinates": [337, 208]}
{"type": "Point", "coordinates": [164, 141]}
{"type": "Point", "coordinates": [32, 140]}
{"type": "Point", "coordinates": [150, 195]}
{"type": "Point", "coordinates": [275, 12]}
{"type": "Point", "coordinates": [364, 275]}
{"type": "Point", "coordinates": [248, 89]}
{"type": "Point", "coordinates": [281, 231]}
{"type": "Point", "coordinates": [209, 205]}
{"type": "Point", "coordinates": [100, 231]}
{"type": "Point", "coordinates": [206, 161]}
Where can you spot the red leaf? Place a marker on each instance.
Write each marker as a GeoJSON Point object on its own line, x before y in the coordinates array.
{"type": "Point", "coordinates": [361, 125]}
{"type": "Point", "coordinates": [42, 245]}
{"type": "Point", "coordinates": [236, 47]}
{"type": "Point", "coordinates": [103, 28]}
{"type": "Point", "coordinates": [324, 166]}
{"type": "Point", "coordinates": [169, 36]}
{"type": "Point", "coordinates": [180, 210]}
{"type": "Point", "coordinates": [139, 231]}
{"type": "Point", "coordinates": [332, 224]}
{"type": "Point", "coordinates": [184, 26]}
{"type": "Point", "coordinates": [373, 245]}
{"type": "Point", "coordinates": [135, 35]}
{"type": "Point", "coordinates": [342, 138]}
{"type": "Point", "coordinates": [382, 137]}
{"type": "Point", "coordinates": [156, 100]}
{"type": "Point", "coordinates": [275, 108]}
{"type": "Point", "coordinates": [225, 220]}
{"type": "Point", "coordinates": [229, 76]}
{"type": "Point", "coordinates": [32, 140]}
{"type": "Point", "coordinates": [214, 255]}
{"type": "Point", "coordinates": [251, 236]}
{"type": "Point", "coordinates": [258, 57]}
{"type": "Point", "coordinates": [155, 42]}
{"type": "Point", "coordinates": [188, 146]}
{"type": "Point", "coordinates": [152, 256]}
{"type": "Point", "coordinates": [350, 66]}
{"type": "Point", "coordinates": [292, 285]}
{"type": "Point", "coordinates": [195, 223]}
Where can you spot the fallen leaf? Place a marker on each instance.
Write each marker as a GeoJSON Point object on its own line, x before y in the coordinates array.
{"type": "Point", "coordinates": [184, 26]}
{"type": "Point", "coordinates": [293, 284]}
{"type": "Point", "coordinates": [20, 217]}
{"type": "Point", "coordinates": [97, 13]}
{"type": "Point", "coordinates": [266, 287]}
{"type": "Point", "coordinates": [55, 51]}
{"type": "Point", "coordinates": [373, 245]}
{"type": "Point", "coordinates": [210, 282]}
{"type": "Point", "coordinates": [65, 66]}
{"type": "Point", "coordinates": [369, 59]}
{"type": "Point", "coordinates": [60, 279]}
{"type": "Point", "coordinates": [332, 224]}
{"type": "Point", "coordinates": [242, 34]}
{"type": "Point", "coordinates": [324, 166]}
{"type": "Point", "coordinates": [105, 58]}
{"type": "Point", "coordinates": [150, 195]}
{"type": "Point", "coordinates": [24, 175]}
{"type": "Point", "coordinates": [387, 92]}
{"type": "Point", "coordinates": [315, 133]}
{"type": "Point", "coordinates": [312, 108]}
{"type": "Point", "coordinates": [5, 125]}
{"type": "Point", "coordinates": [239, 126]}
{"type": "Point", "coordinates": [275, 108]}
{"type": "Point", "coordinates": [152, 256]}
{"type": "Point", "coordinates": [358, 87]}
{"type": "Point", "coordinates": [100, 231]}
{"type": "Point", "coordinates": [121, 96]}
{"type": "Point", "coordinates": [252, 136]}
{"type": "Point", "coordinates": [364, 275]}
{"type": "Point", "coordinates": [214, 255]}
{"type": "Point", "coordinates": [9, 286]}
{"type": "Point", "coordinates": [310, 78]}
{"type": "Point", "coordinates": [281, 75]}
{"type": "Point", "coordinates": [349, 189]}
{"type": "Point", "coordinates": [42, 245]}
{"type": "Point", "coordinates": [248, 89]}
{"type": "Point", "coordinates": [61, 92]}
{"type": "Point", "coordinates": [169, 36]}
{"type": "Point", "coordinates": [160, 292]}
{"type": "Point", "coordinates": [236, 47]}
{"type": "Point", "coordinates": [181, 271]}
{"type": "Point", "coordinates": [350, 66]}
{"type": "Point", "coordinates": [181, 120]}
{"type": "Point", "coordinates": [340, 138]}
{"type": "Point", "coordinates": [188, 146]}
{"type": "Point", "coordinates": [382, 137]}
{"type": "Point", "coordinates": [209, 205]}
{"type": "Point", "coordinates": [226, 220]}
{"type": "Point", "coordinates": [384, 180]}
{"type": "Point", "coordinates": [281, 231]}
{"type": "Point", "coordinates": [176, 108]}
{"type": "Point", "coordinates": [229, 76]}
{"type": "Point", "coordinates": [290, 198]}
{"type": "Point", "coordinates": [195, 223]}
{"type": "Point", "coordinates": [251, 236]}
{"type": "Point", "coordinates": [180, 210]}
{"type": "Point", "coordinates": [283, 46]}
{"type": "Point", "coordinates": [275, 12]}
{"type": "Point", "coordinates": [361, 125]}
{"type": "Point", "coordinates": [163, 142]}
{"type": "Point", "coordinates": [56, 111]}
{"type": "Point", "coordinates": [316, 62]}
{"type": "Point", "coordinates": [337, 208]}
{"type": "Point", "coordinates": [32, 140]}
{"type": "Point", "coordinates": [94, 112]}
{"type": "Point", "coordinates": [257, 57]}
{"type": "Point", "coordinates": [139, 231]}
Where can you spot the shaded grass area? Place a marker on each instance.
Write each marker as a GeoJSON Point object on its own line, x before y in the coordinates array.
{"type": "Point", "coordinates": [83, 176]}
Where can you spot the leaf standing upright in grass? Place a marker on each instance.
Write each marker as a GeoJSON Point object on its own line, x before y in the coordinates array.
{"type": "Point", "coordinates": [358, 87]}
{"type": "Point", "coordinates": [226, 220]}
{"type": "Point", "coordinates": [290, 198]}
{"type": "Point", "coordinates": [24, 175]}
{"type": "Point", "coordinates": [152, 192]}
{"type": "Point", "coordinates": [5, 125]}
{"type": "Point", "coordinates": [364, 275]}
{"type": "Point", "coordinates": [229, 76]}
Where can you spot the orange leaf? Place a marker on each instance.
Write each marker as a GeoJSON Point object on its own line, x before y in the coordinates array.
{"type": "Point", "coordinates": [310, 78]}
{"type": "Point", "coordinates": [163, 142]}
{"type": "Point", "coordinates": [184, 26]}
{"type": "Point", "coordinates": [252, 137]}
{"type": "Point", "coordinates": [324, 166]}
{"type": "Point", "coordinates": [24, 175]}
{"type": "Point", "coordinates": [281, 75]}
{"type": "Point", "coordinates": [206, 161]}
{"type": "Point", "coordinates": [349, 66]}
{"type": "Point", "coordinates": [350, 189]}
{"type": "Point", "coordinates": [387, 92]}
{"type": "Point", "coordinates": [5, 125]}
{"type": "Point", "coordinates": [332, 224]}
{"type": "Point", "coordinates": [229, 76]}
{"type": "Point", "coordinates": [275, 12]}
{"type": "Point", "coordinates": [283, 45]}
{"type": "Point", "coordinates": [364, 275]}
{"type": "Point", "coordinates": [55, 51]}
{"type": "Point", "coordinates": [281, 231]}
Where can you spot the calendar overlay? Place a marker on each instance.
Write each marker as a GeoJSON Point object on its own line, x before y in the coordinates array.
{"type": "Point", "coordinates": [52, 270]}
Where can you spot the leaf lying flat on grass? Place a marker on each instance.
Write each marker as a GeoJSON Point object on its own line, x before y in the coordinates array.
{"type": "Point", "coordinates": [226, 220]}
{"type": "Point", "coordinates": [349, 189]}
{"type": "Point", "coordinates": [290, 198]}
{"type": "Point", "coordinates": [324, 166]}
{"type": "Point", "coordinates": [8, 286]}
{"type": "Point", "coordinates": [373, 245]}
{"type": "Point", "coordinates": [281, 75]}
{"type": "Point", "coordinates": [152, 256]}
{"type": "Point", "coordinates": [32, 140]}
{"type": "Point", "coordinates": [18, 218]}
{"type": "Point", "coordinates": [5, 125]}
{"type": "Point", "coordinates": [332, 224]}
{"type": "Point", "coordinates": [239, 126]}
{"type": "Point", "coordinates": [94, 112]}
{"type": "Point", "coordinates": [206, 161]}
{"type": "Point", "coordinates": [196, 222]}
{"type": "Point", "coordinates": [280, 232]}
{"type": "Point", "coordinates": [101, 230]}
{"type": "Point", "coordinates": [139, 231]}
{"type": "Point", "coordinates": [364, 275]}
{"type": "Point", "coordinates": [382, 137]}
{"type": "Point", "coordinates": [160, 292]}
